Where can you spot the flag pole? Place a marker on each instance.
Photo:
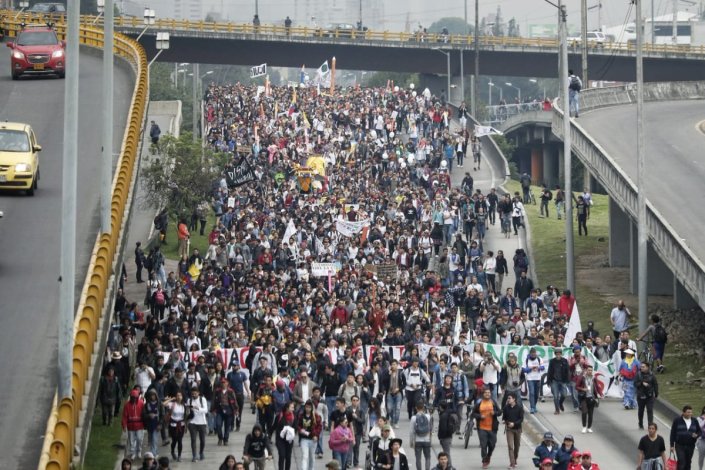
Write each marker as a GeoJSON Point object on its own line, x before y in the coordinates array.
{"type": "Point", "coordinates": [332, 77]}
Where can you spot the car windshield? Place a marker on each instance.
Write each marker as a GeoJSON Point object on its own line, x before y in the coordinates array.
{"type": "Point", "coordinates": [37, 38]}
{"type": "Point", "coordinates": [13, 141]}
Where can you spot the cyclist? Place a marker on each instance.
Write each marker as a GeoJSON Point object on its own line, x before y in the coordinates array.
{"type": "Point", "coordinates": [659, 337]}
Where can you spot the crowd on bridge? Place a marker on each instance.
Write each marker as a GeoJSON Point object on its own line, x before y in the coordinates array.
{"type": "Point", "coordinates": [346, 278]}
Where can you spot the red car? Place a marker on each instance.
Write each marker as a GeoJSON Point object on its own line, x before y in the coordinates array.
{"type": "Point", "coordinates": [38, 51]}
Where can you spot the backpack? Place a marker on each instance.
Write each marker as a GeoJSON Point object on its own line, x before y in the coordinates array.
{"type": "Point", "coordinates": [521, 262]}
{"type": "Point", "coordinates": [660, 333]}
{"type": "Point", "coordinates": [575, 83]}
{"type": "Point", "coordinates": [159, 297]}
{"type": "Point", "coordinates": [453, 421]}
{"type": "Point", "coordinates": [422, 426]}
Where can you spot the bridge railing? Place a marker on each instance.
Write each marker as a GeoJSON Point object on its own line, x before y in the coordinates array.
{"type": "Point", "coordinates": [686, 267]}
{"type": "Point", "coordinates": [430, 39]}
{"type": "Point", "coordinates": [91, 319]}
{"type": "Point", "coordinates": [497, 114]}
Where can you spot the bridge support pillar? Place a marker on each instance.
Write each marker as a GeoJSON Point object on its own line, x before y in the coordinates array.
{"type": "Point", "coordinates": [659, 278]}
{"type": "Point", "coordinates": [536, 165]}
{"type": "Point", "coordinates": [681, 297]}
{"type": "Point", "coordinates": [549, 165]}
{"type": "Point", "coordinates": [620, 236]}
{"type": "Point", "coordinates": [588, 180]}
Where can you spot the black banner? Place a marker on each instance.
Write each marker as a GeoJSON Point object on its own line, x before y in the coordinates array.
{"type": "Point", "coordinates": [240, 174]}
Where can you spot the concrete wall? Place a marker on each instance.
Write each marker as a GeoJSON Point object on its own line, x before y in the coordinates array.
{"type": "Point", "coordinates": [661, 91]}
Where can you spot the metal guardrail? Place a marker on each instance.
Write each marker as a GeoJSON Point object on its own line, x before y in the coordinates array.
{"type": "Point", "coordinates": [686, 267]}
{"type": "Point", "coordinates": [60, 437]}
{"type": "Point", "coordinates": [499, 113]}
{"type": "Point", "coordinates": [430, 40]}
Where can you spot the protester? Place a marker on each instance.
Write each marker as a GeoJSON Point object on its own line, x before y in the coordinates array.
{"type": "Point", "coordinates": [652, 450]}
{"type": "Point", "coordinates": [685, 432]}
{"type": "Point", "coordinates": [513, 417]}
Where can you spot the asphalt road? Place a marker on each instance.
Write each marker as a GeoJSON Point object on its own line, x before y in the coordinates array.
{"type": "Point", "coordinates": [30, 234]}
{"type": "Point", "coordinates": [674, 164]}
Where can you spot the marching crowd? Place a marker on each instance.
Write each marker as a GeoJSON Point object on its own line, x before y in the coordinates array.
{"type": "Point", "coordinates": [321, 371]}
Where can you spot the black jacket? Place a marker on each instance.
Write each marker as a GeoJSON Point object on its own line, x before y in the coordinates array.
{"type": "Point", "coordinates": [682, 435]}
{"type": "Point", "coordinates": [646, 385]}
{"type": "Point", "coordinates": [558, 371]}
{"type": "Point", "coordinates": [513, 414]}
{"type": "Point", "coordinates": [445, 425]}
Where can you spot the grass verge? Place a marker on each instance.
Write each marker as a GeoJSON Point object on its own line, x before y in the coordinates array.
{"type": "Point", "coordinates": [599, 286]}
{"type": "Point", "coordinates": [103, 443]}
{"type": "Point", "coordinates": [198, 241]}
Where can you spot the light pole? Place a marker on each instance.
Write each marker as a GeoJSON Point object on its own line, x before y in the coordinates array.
{"type": "Point", "coordinates": [67, 258]}
{"type": "Point", "coordinates": [642, 234]}
{"type": "Point", "coordinates": [197, 89]}
{"type": "Point", "coordinates": [150, 17]}
{"type": "Point", "coordinates": [162, 45]}
{"type": "Point", "coordinates": [107, 161]}
{"type": "Point", "coordinates": [536, 82]}
{"type": "Point", "coordinates": [476, 75]}
{"type": "Point", "coordinates": [584, 45]}
{"type": "Point", "coordinates": [490, 94]}
{"type": "Point", "coordinates": [100, 5]}
{"type": "Point", "coordinates": [22, 4]}
{"type": "Point", "coordinates": [565, 104]}
{"type": "Point", "coordinates": [257, 7]}
{"type": "Point", "coordinates": [177, 71]}
{"type": "Point", "coordinates": [501, 90]}
{"type": "Point", "coordinates": [447, 54]}
{"type": "Point", "coordinates": [516, 88]}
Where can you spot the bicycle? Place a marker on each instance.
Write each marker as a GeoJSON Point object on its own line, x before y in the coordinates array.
{"type": "Point", "coordinates": [646, 355]}
{"type": "Point", "coordinates": [469, 424]}
{"type": "Point", "coordinates": [532, 198]}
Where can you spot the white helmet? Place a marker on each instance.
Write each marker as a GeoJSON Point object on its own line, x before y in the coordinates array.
{"type": "Point", "coordinates": [444, 164]}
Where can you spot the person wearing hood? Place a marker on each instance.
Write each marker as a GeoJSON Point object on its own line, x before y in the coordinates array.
{"type": "Point", "coordinates": [257, 448]}
{"type": "Point", "coordinates": [133, 424]}
{"type": "Point", "coordinates": [564, 454]}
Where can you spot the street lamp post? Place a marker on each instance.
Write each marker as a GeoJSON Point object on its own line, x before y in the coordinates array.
{"type": "Point", "coordinates": [150, 17]}
{"type": "Point", "coordinates": [100, 5]}
{"type": "Point", "coordinates": [23, 4]}
{"type": "Point", "coordinates": [162, 45]}
{"type": "Point", "coordinates": [447, 54]}
{"type": "Point", "coordinates": [642, 229]}
{"type": "Point", "coordinates": [501, 90]}
{"type": "Point", "coordinates": [197, 89]}
{"type": "Point", "coordinates": [516, 88]}
{"type": "Point", "coordinates": [489, 103]}
{"type": "Point", "coordinates": [107, 161]}
{"type": "Point", "coordinates": [533, 80]}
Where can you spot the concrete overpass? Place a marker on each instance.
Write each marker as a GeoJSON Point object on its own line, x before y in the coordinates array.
{"type": "Point", "coordinates": [240, 44]}
{"type": "Point", "coordinates": [604, 141]}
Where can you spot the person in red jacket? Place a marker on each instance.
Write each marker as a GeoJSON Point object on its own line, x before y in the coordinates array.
{"type": "Point", "coordinates": [133, 424]}
{"type": "Point", "coordinates": [339, 313]}
{"type": "Point", "coordinates": [565, 304]}
{"type": "Point", "coordinates": [183, 235]}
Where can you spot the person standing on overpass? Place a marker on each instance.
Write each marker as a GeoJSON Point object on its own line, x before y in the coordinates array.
{"type": "Point", "coordinates": [575, 85]}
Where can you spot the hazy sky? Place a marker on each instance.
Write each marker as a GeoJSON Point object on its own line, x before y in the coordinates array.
{"type": "Point", "coordinates": [396, 12]}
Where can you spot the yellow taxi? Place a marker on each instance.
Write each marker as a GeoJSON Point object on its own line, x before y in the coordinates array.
{"type": "Point", "coordinates": [19, 157]}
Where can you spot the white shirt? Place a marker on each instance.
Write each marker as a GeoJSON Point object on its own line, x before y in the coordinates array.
{"type": "Point", "coordinates": [200, 408]}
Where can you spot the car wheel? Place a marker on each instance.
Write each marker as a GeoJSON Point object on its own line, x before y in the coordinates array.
{"type": "Point", "coordinates": [62, 74]}
{"type": "Point", "coordinates": [35, 184]}
{"type": "Point", "coordinates": [15, 76]}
